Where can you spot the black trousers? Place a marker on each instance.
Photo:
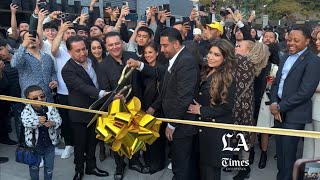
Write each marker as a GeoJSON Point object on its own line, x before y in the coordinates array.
{"type": "Point", "coordinates": [66, 126]}
{"type": "Point", "coordinates": [84, 146]}
{"type": "Point", "coordinates": [210, 173]}
{"type": "Point", "coordinates": [120, 160]}
{"type": "Point", "coordinates": [184, 162]}
{"type": "Point", "coordinates": [4, 118]}
{"type": "Point", "coordinates": [286, 149]}
{"type": "Point", "coordinates": [155, 155]}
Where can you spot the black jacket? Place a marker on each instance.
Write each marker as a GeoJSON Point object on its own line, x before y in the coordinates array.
{"type": "Point", "coordinates": [177, 92]}
{"type": "Point", "coordinates": [13, 80]}
{"type": "Point", "coordinates": [210, 139]}
{"type": "Point", "coordinates": [110, 72]}
{"type": "Point", "coordinates": [82, 91]}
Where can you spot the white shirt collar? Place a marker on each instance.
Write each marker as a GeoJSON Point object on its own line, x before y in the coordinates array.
{"type": "Point", "coordinates": [173, 59]}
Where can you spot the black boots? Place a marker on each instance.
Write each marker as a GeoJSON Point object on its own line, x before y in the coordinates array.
{"type": "Point", "coordinates": [243, 174]}
{"type": "Point", "coordinates": [263, 160]}
{"type": "Point", "coordinates": [251, 157]}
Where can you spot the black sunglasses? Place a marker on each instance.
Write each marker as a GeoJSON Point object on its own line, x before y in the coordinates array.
{"type": "Point", "coordinates": [37, 98]}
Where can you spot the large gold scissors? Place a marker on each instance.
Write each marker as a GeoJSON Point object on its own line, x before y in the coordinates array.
{"type": "Point", "coordinates": [107, 99]}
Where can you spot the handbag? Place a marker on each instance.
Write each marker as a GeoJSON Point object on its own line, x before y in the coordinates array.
{"type": "Point", "coordinates": [27, 155]}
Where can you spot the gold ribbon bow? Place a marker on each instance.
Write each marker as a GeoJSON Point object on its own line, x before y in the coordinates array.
{"type": "Point", "coordinates": [127, 129]}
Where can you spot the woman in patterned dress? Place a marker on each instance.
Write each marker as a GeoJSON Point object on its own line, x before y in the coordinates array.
{"type": "Point", "coordinates": [252, 58]}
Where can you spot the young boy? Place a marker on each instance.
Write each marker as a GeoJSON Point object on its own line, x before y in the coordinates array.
{"type": "Point", "coordinates": [43, 122]}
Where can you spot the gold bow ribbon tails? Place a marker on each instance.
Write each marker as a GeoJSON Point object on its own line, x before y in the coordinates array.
{"type": "Point", "coordinates": [126, 128]}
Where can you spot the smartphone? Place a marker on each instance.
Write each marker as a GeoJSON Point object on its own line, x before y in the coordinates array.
{"type": "Point", "coordinates": [201, 8]}
{"type": "Point", "coordinates": [305, 168]}
{"type": "Point", "coordinates": [85, 10]}
{"type": "Point", "coordinates": [166, 7]}
{"type": "Point", "coordinates": [144, 18]}
{"type": "Point", "coordinates": [125, 3]}
{"type": "Point", "coordinates": [253, 13]}
{"type": "Point", "coordinates": [33, 33]}
{"type": "Point", "coordinates": [15, 2]}
{"type": "Point", "coordinates": [42, 5]}
{"type": "Point", "coordinates": [160, 8]}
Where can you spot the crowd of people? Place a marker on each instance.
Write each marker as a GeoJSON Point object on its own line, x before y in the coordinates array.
{"type": "Point", "coordinates": [209, 72]}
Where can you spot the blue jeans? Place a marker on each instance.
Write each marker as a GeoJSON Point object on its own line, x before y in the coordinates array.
{"type": "Point", "coordinates": [47, 154]}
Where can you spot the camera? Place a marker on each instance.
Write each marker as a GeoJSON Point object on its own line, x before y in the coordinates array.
{"type": "Point", "coordinates": [64, 16]}
{"type": "Point", "coordinates": [224, 12]}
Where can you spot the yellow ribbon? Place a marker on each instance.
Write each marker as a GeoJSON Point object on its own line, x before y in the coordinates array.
{"type": "Point", "coordinates": [126, 128]}
{"type": "Point", "coordinates": [276, 131]}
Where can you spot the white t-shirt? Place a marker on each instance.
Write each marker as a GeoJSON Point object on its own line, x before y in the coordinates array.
{"type": "Point", "coordinates": [60, 60]}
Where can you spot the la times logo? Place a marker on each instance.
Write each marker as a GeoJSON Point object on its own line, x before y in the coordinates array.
{"type": "Point", "coordinates": [234, 164]}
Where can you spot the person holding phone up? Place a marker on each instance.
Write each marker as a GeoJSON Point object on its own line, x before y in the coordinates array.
{"type": "Point", "coordinates": [34, 66]}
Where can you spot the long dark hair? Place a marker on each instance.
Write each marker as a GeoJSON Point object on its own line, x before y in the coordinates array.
{"type": "Point", "coordinates": [153, 45]}
{"type": "Point", "coordinates": [89, 42]}
{"type": "Point", "coordinates": [222, 77]}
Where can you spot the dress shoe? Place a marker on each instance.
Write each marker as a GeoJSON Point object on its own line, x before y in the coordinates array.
{"type": "Point", "coordinates": [78, 176]}
{"type": "Point", "coordinates": [140, 168]}
{"type": "Point", "coordinates": [3, 160]}
{"type": "Point", "coordinates": [119, 173]}
{"type": "Point", "coordinates": [97, 172]}
{"type": "Point", "coordinates": [243, 174]}
{"type": "Point", "coordinates": [251, 157]}
{"type": "Point", "coordinates": [263, 160]}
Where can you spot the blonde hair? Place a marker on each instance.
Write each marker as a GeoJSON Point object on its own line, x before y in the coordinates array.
{"type": "Point", "coordinates": [258, 54]}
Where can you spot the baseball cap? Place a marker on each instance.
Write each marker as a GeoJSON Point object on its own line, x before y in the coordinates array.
{"type": "Point", "coordinates": [216, 25]}
{"type": "Point", "coordinates": [197, 31]}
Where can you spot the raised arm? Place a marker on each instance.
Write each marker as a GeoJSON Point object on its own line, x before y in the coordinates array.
{"type": "Point", "coordinates": [57, 41]}
{"type": "Point", "coordinates": [14, 28]}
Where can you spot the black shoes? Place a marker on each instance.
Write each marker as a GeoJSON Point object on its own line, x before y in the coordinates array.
{"type": "Point", "coordinates": [140, 168]}
{"type": "Point", "coordinates": [243, 174]}
{"type": "Point", "coordinates": [251, 157]}
{"type": "Point", "coordinates": [3, 160]}
{"type": "Point", "coordinates": [97, 172]}
{"type": "Point", "coordinates": [119, 173]}
{"type": "Point", "coordinates": [8, 142]}
{"type": "Point", "coordinates": [263, 160]}
{"type": "Point", "coordinates": [78, 176]}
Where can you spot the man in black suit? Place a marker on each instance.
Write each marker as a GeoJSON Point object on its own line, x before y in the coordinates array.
{"type": "Point", "coordinates": [178, 89]}
{"type": "Point", "coordinates": [291, 92]}
{"type": "Point", "coordinates": [80, 76]}
{"type": "Point", "coordinates": [110, 72]}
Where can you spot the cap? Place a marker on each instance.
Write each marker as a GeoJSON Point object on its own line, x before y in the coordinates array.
{"type": "Point", "coordinates": [216, 25]}
{"type": "Point", "coordinates": [9, 31]}
{"type": "Point", "coordinates": [197, 31]}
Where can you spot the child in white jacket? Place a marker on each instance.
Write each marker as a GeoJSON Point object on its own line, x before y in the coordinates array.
{"type": "Point", "coordinates": [41, 124]}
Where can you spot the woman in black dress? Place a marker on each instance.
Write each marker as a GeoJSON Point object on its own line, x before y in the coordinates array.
{"type": "Point", "coordinates": [154, 157]}
{"type": "Point", "coordinates": [215, 104]}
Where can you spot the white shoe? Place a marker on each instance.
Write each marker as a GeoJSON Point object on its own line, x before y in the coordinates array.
{"type": "Point", "coordinates": [57, 151]}
{"type": "Point", "coordinates": [41, 163]}
{"type": "Point", "coordinates": [170, 166]}
{"type": "Point", "coordinates": [67, 152]}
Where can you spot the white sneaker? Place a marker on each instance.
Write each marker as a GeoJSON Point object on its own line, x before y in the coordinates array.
{"type": "Point", "coordinates": [57, 151]}
{"type": "Point", "coordinates": [41, 163]}
{"type": "Point", "coordinates": [170, 166]}
{"type": "Point", "coordinates": [67, 152]}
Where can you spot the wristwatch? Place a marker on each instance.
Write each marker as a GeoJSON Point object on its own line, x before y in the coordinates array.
{"type": "Point", "coordinates": [278, 107]}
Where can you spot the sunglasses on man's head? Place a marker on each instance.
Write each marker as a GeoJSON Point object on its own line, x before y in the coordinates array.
{"type": "Point", "coordinates": [38, 98]}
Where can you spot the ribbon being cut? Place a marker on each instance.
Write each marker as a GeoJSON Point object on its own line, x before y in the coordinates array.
{"type": "Point", "coordinates": [126, 129]}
